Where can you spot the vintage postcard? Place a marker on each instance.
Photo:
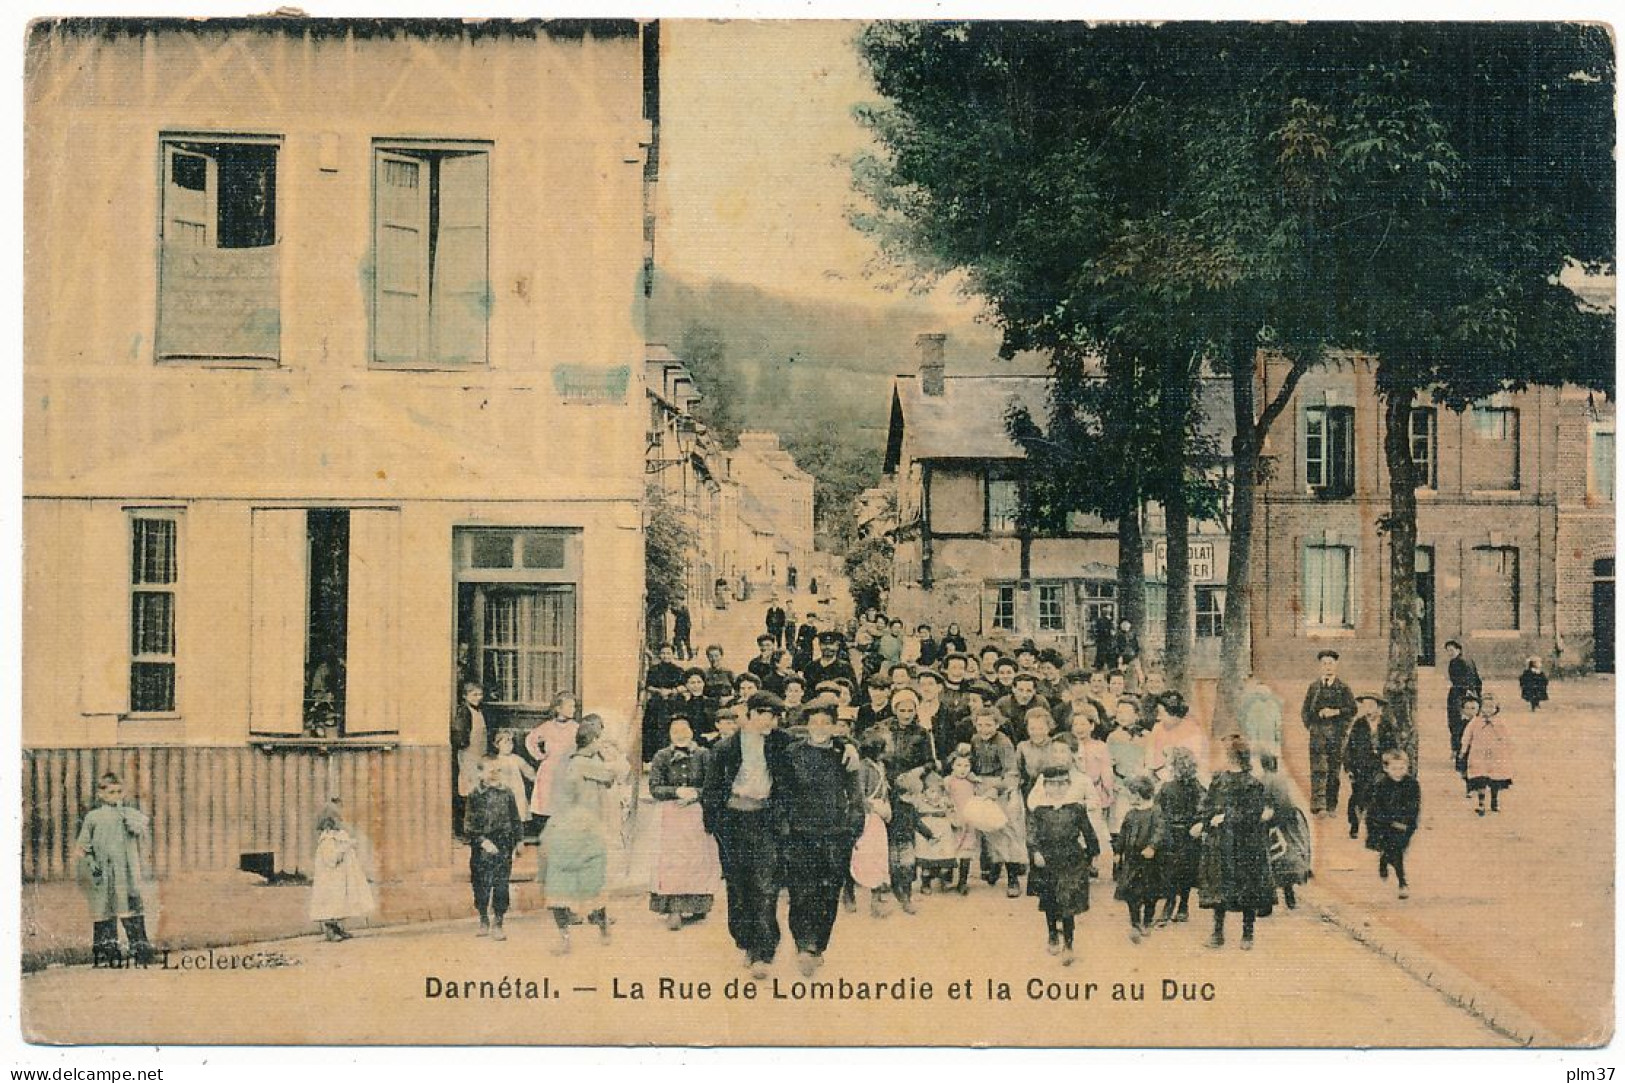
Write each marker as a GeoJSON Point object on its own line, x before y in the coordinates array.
{"type": "Point", "coordinates": [649, 531]}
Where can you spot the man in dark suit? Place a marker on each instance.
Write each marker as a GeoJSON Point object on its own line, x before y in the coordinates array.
{"type": "Point", "coordinates": [824, 814]}
{"type": "Point", "coordinates": [1464, 681]}
{"type": "Point", "coordinates": [743, 801]}
{"type": "Point", "coordinates": [775, 623]}
{"type": "Point", "coordinates": [1328, 708]}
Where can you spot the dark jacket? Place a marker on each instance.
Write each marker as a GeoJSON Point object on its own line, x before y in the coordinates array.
{"type": "Point", "coordinates": [1392, 802]}
{"type": "Point", "coordinates": [1235, 871]}
{"type": "Point", "coordinates": [723, 768]}
{"type": "Point", "coordinates": [1320, 696]}
{"type": "Point", "coordinates": [821, 796]}
{"type": "Point", "coordinates": [490, 813]}
{"type": "Point", "coordinates": [1532, 686]}
{"type": "Point", "coordinates": [775, 620]}
{"type": "Point", "coordinates": [673, 767]}
{"type": "Point", "coordinates": [462, 727]}
{"type": "Point", "coordinates": [910, 749]}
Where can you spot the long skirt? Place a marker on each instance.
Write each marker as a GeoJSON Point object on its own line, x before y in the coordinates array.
{"type": "Point", "coordinates": [871, 861]}
{"type": "Point", "coordinates": [687, 871]}
{"type": "Point", "coordinates": [575, 861]}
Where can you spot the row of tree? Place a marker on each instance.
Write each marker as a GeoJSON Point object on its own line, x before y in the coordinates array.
{"type": "Point", "coordinates": [1149, 204]}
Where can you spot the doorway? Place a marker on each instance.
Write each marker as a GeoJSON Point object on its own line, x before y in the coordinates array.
{"type": "Point", "coordinates": [1424, 605]}
{"type": "Point", "coordinates": [1602, 616]}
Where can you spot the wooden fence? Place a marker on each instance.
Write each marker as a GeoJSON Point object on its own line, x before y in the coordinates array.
{"type": "Point", "coordinates": [211, 805]}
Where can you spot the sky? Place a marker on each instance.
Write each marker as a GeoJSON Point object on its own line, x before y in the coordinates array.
{"type": "Point", "coordinates": [757, 130]}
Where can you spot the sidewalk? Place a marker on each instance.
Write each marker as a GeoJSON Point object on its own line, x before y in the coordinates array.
{"type": "Point", "coordinates": [1511, 915]}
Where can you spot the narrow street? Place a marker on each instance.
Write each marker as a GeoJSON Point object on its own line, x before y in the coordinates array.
{"type": "Point", "coordinates": [1307, 983]}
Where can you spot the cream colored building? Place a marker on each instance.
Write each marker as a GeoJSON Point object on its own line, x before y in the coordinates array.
{"type": "Point", "coordinates": [332, 366]}
{"type": "Point", "coordinates": [785, 491]}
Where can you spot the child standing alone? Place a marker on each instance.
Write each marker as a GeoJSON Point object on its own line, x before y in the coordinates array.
{"type": "Point", "coordinates": [1486, 752]}
{"type": "Point", "coordinates": [1143, 837]}
{"type": "Point", "coordinates": [339, 887]}
{"type": "Point", "coordinates": [1533, 685]}
{"type": "Point", "coordinates": [114, 869]}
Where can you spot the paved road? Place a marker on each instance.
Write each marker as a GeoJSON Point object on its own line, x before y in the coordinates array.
{"type": "Point", "coordinates": [1306, 983]}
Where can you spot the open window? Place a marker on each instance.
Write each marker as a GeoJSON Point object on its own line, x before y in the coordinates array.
{"type": "Point", "coordinates": [431, 291]}
{"type": "Point", "coordinates": [1328, 452]}
{"type": "Point", "coordinates": [219, 292]}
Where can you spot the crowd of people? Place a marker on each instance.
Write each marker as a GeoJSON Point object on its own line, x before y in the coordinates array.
{"type": "Point", "coordinates": [848, 760]}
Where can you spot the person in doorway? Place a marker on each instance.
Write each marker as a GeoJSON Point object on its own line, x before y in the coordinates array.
{"type": "Point", "coordinates": [1328, 708]}
{"type": "Point", "coordinates": [470, 742]}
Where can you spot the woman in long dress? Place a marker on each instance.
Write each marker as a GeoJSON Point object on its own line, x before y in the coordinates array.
{"type": "Point", "coordinates": [687, 870]}
{"type": "Point", "coordinates": [575, 845]}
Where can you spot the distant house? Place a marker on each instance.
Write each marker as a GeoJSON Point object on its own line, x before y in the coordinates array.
{"type": "Point", "coordinates": [785, 492]}
{"type": "Point", "coordinates": [960, 556]}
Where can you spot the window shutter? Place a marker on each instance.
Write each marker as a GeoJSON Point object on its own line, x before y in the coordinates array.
{"type": "Point", "coordinates": [278, 599]}
{"type": "Point", "coordinates": [461, 291]}
{"type": "Point", "coordinates": [191, 213]}
{"type": "Point", "coordinates": [372, 662]}
{"type": "Point", "coordinates": [105, 673]}
{"type": "Point", "coordinates": [401, 250]}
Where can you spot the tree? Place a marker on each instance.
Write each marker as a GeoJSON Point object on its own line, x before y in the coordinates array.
{"type": "Point", "coordinates": [1115, 192]}
{"type": "Point", "coordinates": [667, 545]}
{"type": "Point", "coordinates": [705, 351]}
{"type": "Point", "coordinates": [868, 565]}
{"type": "Point", "coordinates": [1467, 167]}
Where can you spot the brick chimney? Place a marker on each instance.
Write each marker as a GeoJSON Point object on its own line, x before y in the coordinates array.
{"type": "Point", "coordinates": [932, 366]}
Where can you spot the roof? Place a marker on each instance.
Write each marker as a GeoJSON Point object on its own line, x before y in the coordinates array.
{"type": "Point", "coordinates": [967, 421]}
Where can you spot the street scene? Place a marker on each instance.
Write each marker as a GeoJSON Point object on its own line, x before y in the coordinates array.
{"type": "Point", "coordinates": [1141, 575]}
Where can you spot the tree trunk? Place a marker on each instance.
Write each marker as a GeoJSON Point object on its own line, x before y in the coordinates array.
{"type": "Point", "coordinates": [1131, 571]}
{"type": "Point", "coordinates": [1404, 631]}
{"type": "Point", "coordinates": [1235, 654]}
{"type": "Point", "coordinates": [1176, 409]}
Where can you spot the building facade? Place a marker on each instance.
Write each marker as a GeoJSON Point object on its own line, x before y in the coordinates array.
{"type": "Point", "coordinates": [333, 362]}
{"type": "Point", "coordinates": [1514, 515]}
{"type": "Point", "coordinates": [785, 493]}
{"type": "Point", "coordinates": [960, 556]}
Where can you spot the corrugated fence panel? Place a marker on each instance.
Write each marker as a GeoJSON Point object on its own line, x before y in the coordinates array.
{"type": "Point", "coordinates": [209, 806]}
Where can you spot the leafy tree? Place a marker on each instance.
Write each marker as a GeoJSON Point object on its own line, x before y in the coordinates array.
{"type": "Point", "coordinates": [667, 545]}
{"type": "Point", "coordinates": [868, 565]}
{"type": "Point", "coordinates": [705, 351]}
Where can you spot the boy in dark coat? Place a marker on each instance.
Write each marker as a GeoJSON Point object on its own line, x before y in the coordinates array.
{"type": "Point", "coordinates": [904, 825]}
{"type": "Point", "coordinates": [1396, 805]}
{"type": "Point", "coordinates": [822, 805]}
{"type": "Point", "coordinates": [1362, 757]}
{"type": "Point", "coordinates": [491, 825]}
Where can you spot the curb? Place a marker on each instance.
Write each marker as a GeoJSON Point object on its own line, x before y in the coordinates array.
{"type": "Point", "coordinates": [1456, 987]}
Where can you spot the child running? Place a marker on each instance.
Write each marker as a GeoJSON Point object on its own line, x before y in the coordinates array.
{"type": "Point", "coordinates": [1396, 804]}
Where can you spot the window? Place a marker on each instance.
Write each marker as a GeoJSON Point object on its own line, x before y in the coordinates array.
{"type": "Point", "coordinates": [1495, 588]}
{"type": "Point", "coordinates": [1004, 608]}
{"type": "Point", "coordinates": [154, 578]}
{"type": "Point", "coordinates": [1600, 475]}
{"type": "Point", "coordinates": [1003, 505]}
{"type": "Point", "coordinates": [1329, 450]}
{"type": "Point", "coordinates": [518, 613]}
{"type": "Point", "coordinates": [327, 538]}
{"type": "Point", "coordinates": [431, 292]}
{"type": "Point", "coordinates": [1099, 606]}
{"type": "Point", "coordinates": [219, 296]}
{"type": "Point", "coordinates": [1326, 586]}
{"type": "Point", "coordinates": [1209, 612]}
{"type": "Point", "coordinates": [1051, 608]}
{"type": "Point", "coordinates": [1424, 444]}
{"type": "Point", "coordinates": [1494, 458]}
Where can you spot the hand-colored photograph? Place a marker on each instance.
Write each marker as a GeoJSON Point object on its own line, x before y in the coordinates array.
{"type": "Point", "coordinates": [817, 533]}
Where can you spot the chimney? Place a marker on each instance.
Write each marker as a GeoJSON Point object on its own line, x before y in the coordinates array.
{"type": "Point", "coordinates": [932, 366]}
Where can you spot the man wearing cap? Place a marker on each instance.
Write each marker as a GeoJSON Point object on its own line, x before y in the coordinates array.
{"type": "Point", "coordinates": [1464, 681]}
{"type": "Point", "coordinates": [743, 799]}
{"type": "Point", "coordinates": [1368, 738]}
{"type": "Point", "coordinates": [824, 814]}
{"type": "Point", "coordinates": [1328, 708]}
{"type": "Point", "coordinates": [829, 664]}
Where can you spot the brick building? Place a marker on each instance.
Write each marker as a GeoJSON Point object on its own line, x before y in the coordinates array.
{"type": "Point", "coordinates": [1515, 525]}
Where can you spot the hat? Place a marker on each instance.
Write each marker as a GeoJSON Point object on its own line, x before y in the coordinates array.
{"type": "Point", "coordinates": [1328, 653]}
{"type": "Point", "coordinates": [829, 637]}
{"type": "Point", "coordinates": [1055, 770]}
{"type": "Point", "coordinates": [981, 688]}
{"type": "Point", "coordinates": [1373, 697]}
{"type": "Point", "coordinates": [766, 701]}
{"type": "Point", "coordinates": [1027, 647]}
{"type": "Point", "coordinates": [1052, 656]}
